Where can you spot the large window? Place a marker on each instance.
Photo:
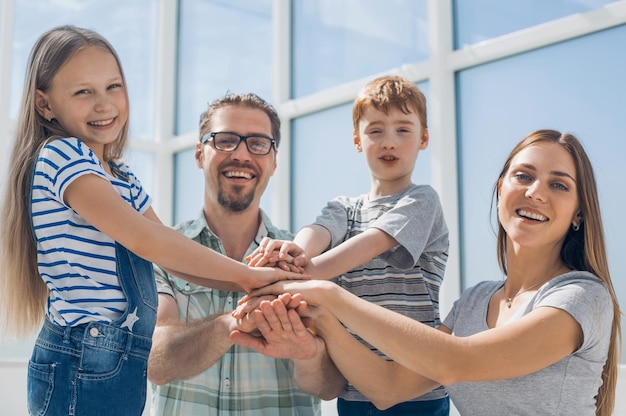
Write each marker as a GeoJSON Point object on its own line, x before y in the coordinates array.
{"type": "Point", "coordinates": [223, 46]}
{"type": "Point", "coordinates": [481, 20]}
{"type": "Point", "coordinates": [337, 41]}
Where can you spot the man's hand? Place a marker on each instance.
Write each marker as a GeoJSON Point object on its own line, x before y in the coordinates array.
{"type": "Point", "coordinates": [283, 332]}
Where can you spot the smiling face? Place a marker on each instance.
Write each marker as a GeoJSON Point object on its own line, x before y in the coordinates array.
{"type": "Point", "coordinates": [236, 180]}
{"type": "Point", "coordinates": [88, 98]}
{"type": "Point", "coordinates": [391, 143]}
{"type": "Point", "coordinates": [537, 196]}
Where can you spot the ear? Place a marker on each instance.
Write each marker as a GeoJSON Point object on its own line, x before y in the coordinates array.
{"type": "Point", "coordinates": [578, 219]}
{"type": "Point", "coordinates": [357, 142]}
{"type": "Point", "coordinates": [425, 139]}
{"type": "Point", "coordinates": [42, 105]}
{"type": "Point", "coordinates": [198, 155]}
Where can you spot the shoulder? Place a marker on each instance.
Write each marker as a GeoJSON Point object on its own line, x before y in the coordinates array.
{"type": "Point", "coordinates": [65, 150]}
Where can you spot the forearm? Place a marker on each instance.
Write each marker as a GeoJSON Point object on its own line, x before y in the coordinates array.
{"type": "Point", "coordinates": [319, 376]}
{"type": "Point", "coordinates": [180, 351]}
{"type": "Point", "coordinates": [383, 382]}
{"type": "Point", "coordinates": [215, 284]}
{"type": "Point", "coordinates": [350, 254]}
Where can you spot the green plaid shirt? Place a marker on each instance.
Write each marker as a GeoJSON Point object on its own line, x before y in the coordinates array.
{"type": "Point", "coordinates": [242, 382]}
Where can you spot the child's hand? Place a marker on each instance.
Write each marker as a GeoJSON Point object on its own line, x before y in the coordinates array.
{"type": "Point", "coordinates": [271, 252]}
{"type": "Point", "coordinates": [258, 277]}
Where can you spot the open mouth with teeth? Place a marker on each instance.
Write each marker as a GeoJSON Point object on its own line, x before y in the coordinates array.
{"type": "Point", "coordinates": [233, 174]}
{"type": "Point", "coordinates": [531, 215]}
{"type": "Point", "coordinates": [101, 123]}
{"type": "Point", "coordinates": [388, 158]}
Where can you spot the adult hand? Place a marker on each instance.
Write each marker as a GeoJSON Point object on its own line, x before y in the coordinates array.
{"type": "Point", "coordinates": [284, 335]}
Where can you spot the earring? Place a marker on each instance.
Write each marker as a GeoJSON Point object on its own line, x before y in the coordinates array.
{"type": "Point", "coordinates": [575, 227]}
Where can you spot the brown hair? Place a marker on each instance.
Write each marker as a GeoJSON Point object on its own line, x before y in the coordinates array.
{"type": "Point", "coordinates": [249, 100]}
{"type": "Point", "coordinates": [387, 93]}
{"type": "Point", "coordinates": [583, 249]}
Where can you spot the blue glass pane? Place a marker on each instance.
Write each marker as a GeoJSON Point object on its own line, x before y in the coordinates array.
{"type": "Point", "coordinates": [326, 165]}
{"type": "Point", "coordinates": [130, 26]}
{"type": "Point", "coordinates": [336, 41]}
{"type": "Point", "coordinates": [142, 165]}
{"type": "Point", "coordinates": [479, 20]}
{"type": "Point", "coordinates": [576, 86]}
{"type": "Point", "coordinates": [224, 46]}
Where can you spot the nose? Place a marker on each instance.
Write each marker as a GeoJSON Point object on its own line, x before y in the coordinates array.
{"type": "Point", "coordinates": [535, 191]}
{"type": "Point", "coordinates": [389, 142]}
{"type": "Point", "coordinates": [102, 103]}
{"type": "Point", "coordinates": [241, 153]}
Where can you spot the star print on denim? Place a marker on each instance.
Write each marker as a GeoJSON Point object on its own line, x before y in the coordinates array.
{"type": "Point", "coordinates": [130, 320]}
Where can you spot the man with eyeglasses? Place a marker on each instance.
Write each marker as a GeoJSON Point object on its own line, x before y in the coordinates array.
{"type": "Point", "coordinates": [194, 367]}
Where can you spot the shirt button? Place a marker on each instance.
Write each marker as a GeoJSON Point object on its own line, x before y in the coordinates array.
{"type": "Point", "coordinates": [94, 332]}
{"type": "Point", "coordinates": [227, 382]}
{"type": "Point", "coordinates": [187, 287]}
{"type": "Point", "coordinates": [229, 299]}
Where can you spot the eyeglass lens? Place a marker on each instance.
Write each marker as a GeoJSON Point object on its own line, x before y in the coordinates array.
{"type": "Point", "coordinates": [228, 142]}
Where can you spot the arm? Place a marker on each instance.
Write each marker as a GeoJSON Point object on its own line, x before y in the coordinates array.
{"type": "Point", "coordinates": [285, 336]}
{"type": "Point", "coordinates": [384, 383]}
{"type": "Point", "coordinates": [95, 200]}
{"type": "Point", "coordinates": [351, 253]}
{"type": "Point", "coordinates": [529, 344]}
{"type": "Point", "coordinates": [181, 350]}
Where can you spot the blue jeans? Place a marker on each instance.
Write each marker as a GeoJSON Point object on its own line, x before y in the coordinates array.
{"type": "Point", "coordinates": [438, 407]}
{"type": "Point", "coordinates": [98, 369]}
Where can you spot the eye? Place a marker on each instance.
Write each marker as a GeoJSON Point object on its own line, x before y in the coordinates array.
{"type": "Point", "coordinates": [560, 186]}
{"type": "Point", "coordinates": [81, 92]}
{"type": "Point", "coordinates": [404, 130]}
{"type": "Point", "coordinates": [522, 177]}
{"type": "Point", "coordinates": [115, 85]}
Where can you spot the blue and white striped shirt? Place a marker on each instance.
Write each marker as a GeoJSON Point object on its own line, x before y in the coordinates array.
{"type": "Point", "coordinates": [77, 261]}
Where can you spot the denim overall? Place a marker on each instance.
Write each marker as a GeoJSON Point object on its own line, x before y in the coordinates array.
{"type": "Point", "coordinates": [98, 368]}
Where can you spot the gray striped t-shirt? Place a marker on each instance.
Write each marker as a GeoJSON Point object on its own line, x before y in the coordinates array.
{"type": "Point", "coordinates": [407, 278]}
{"type": "Point", "coordinates": [76, 261]}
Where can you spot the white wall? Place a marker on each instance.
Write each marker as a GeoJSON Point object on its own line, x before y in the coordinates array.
{"type": "Point", "coordinates": [13, 392]}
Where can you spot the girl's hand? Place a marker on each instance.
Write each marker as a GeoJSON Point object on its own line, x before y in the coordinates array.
{"type": "Point", "coordinates": [262, 276]}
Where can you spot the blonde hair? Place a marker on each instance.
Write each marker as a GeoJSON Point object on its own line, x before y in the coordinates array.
{"type": "Point", "coordinates": [583, 249]}
{"type": "Point", "coordinates": [23, 293]}
{"type": "Point", "coordinates": [390, 92]}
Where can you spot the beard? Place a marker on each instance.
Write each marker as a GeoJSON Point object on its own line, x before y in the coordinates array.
{"type": "Point", "coordinates": [235, 201]}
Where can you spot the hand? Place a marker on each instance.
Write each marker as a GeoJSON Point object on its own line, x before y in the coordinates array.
{"type": "Point", "coordinates": [284, 333]}
{"type": "Point", "coordinates": [253, 302]}
{"type": "Point", "coordinates": [262, 276]}
{"type": "Point", "coordinates": [312, 291]}
{"type": "Point", "coordinates": [272, 251]}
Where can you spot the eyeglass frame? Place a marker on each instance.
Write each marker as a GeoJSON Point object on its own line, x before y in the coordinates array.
{"type": "Point", "coordinates": [204, 139]}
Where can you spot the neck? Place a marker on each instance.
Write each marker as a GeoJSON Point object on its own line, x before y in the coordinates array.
{"type": "Point", "coordinates": [381, 189]}
{"type": "Point", "coordinates": [236, 230]}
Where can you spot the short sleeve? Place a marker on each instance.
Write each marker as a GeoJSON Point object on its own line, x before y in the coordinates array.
{"type": "Point", "coordinates": [416, 222]}
{"type": "Point", "coordinates": [334, 218]}
{"type": "Point", "coordinates": [62, 161]}
{"type": "Point", "coordinates": [587, 300]}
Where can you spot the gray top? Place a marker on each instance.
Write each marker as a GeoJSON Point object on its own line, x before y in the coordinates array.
{"type": "Point", "coordinates": [567, 387]}
{"type": "Point", "coordinates": [405, 279]}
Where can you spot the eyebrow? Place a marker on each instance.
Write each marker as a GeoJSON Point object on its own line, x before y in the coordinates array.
{"type": "Point", "coordinates": [554, 172]}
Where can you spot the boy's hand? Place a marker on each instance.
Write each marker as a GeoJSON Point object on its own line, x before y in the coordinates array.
{"type": "Point", "coordinates": [275, 252]}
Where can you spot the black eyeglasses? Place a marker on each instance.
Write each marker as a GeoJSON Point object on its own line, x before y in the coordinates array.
{"type": "Point", "coordinates": [229, 142]}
